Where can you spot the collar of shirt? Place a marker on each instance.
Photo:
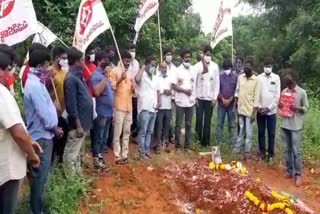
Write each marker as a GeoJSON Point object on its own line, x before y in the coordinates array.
{"type": "Point", "coordinates": [76, 70]}
{"type": "Point", "coordinates": [34, 77]}
{"type": "Point", "coordinates": [163, 76]}
{"type": "Point", "coordinates": [100, 70]}
{"type": "Point", "coordinates": [268, 76]}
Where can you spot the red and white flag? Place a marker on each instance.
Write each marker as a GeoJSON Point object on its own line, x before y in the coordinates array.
{"type": "Point", "coordinates": [91, 22]}
{"type": "Point", "coordinates": [18, 21]}
{"type": "Point", "coordinates": [222, 26]}
{"type": "Point", "coordinates": [147, 8]}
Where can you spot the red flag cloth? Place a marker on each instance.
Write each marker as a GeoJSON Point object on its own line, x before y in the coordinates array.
{"type": "Point", "coordinates": [287, 99]}
{"type": "Point", "coordinates": [87, 72]}
{"type": "Point", "coordinates": [25, 74]}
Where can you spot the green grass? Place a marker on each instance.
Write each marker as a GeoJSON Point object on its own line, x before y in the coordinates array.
{"type": "Point", "coordinates": [63, 193]}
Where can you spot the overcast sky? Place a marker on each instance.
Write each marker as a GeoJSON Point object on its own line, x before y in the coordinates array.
{"type": "Point", "coordinates": [204, 8]}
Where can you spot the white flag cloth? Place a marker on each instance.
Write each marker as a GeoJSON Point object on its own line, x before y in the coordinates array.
{"type": "Point", "coordinates": [91, 22]}
{"type": "Point", "coordinates": [147, 8]}
{"type": "Point", "coordinates": [44, 36]}
{"type": "Point", "coordinates": [222, 26]}
{"type": "Point", "coordinates": [18, 21]}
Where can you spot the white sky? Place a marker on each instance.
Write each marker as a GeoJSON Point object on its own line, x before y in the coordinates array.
{"type": "Point", "coordinates": [204, 8]}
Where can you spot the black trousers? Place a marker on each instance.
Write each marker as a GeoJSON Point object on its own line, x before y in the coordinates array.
{"type": "Point", "coordinates": [9, 196]}
{"type": "Point", "coordinates": [134, 126]}
{"type": "Point", "coordinates": [187, 113]}
{"type": "Point", "coordinates": [163, 126]}
{"type": "Point", "coordinates": [203, 121]}
{"type": "Point", "coordinates": [59, 144]}
{"type": "Point", "coordinates": [269, 122]}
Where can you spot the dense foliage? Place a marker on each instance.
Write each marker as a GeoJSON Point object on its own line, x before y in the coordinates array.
{"type": "Point", "coordinates": [288, 30]}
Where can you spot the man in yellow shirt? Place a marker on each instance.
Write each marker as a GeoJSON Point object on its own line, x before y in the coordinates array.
{"type": "Point", "coordinates": [123, 87]}
{"type": "Point", "coordinates": [59, 70]}
{"type": "Point", "coordinates": [247, 101]}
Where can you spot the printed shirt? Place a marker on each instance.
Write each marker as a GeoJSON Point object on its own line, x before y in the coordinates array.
{"type": "Point", "coordinates": [228, 84]}
{"type": "Point", "coordinates": [269, 92]}
{"type": "Point", "coordinates": [164, 83]}
{"type": "Point", "coordinates": [248, 92]}
{"type": "Point", "coordinates": [122, 91]}
{"type": "Point", "coordinates": [133, 70]}
{"type": "Point", "coordinates": [104, 103]}
{"type": "Point", "coordinates": [59, 76]}
{"type": "Point", "coordinates": [186, 79]}
{"type": "Point", "coordinates": [40, 113]}
{"type": "Point", "coordinates": [78, 100]}
{"type": "Point", "coordinates": [147, 94]}
{"type": "Point", "coordinates": [295, 123]}
{"type": "Point", "coordinates": [12, 159]}
{"type": "Point", "coordinates": [208, 84]}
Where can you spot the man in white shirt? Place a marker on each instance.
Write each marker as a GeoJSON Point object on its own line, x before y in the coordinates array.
{"type": "Point", "coordinates": [184, 84]}
{"type": "Point", "coordinates": [133, 70]}
{"type": "Point", "coordinates": [208, 86]}
{"type": "Point", "coordinates": [267, 111]}
{"type": "Point", "coordinates": [164, 114]}
{"type": "Point", "coordinates": [147, 105]}
{"type": "Point", "coordinates": [171, 70]}
{"type": "Point", "coordinates": [15, 145]}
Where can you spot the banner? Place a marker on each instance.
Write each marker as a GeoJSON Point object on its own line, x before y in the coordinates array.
{"type": "Point", "coordinates": [44, 36]}
{"type": "Point", "coordinates": [147, 8]}
{"type": "Point", "coordinates": [222, 26]}
{"type": "Point", "coordinates": [91, 22]}
{"type": "Point", "coordinates": [18, 21]}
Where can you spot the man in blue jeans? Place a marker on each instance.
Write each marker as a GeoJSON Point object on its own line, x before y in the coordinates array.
{"type": "Point", "coordinates": [267, 111]}
{"type": "Point", "coordinates": [147, 105]}
{"type": "Point", "coordinates": [228, 83]}
{"type": "Point", "coordinates": [291, 127]}
{"type": "Point", "coordinates": [104, 106]}
{"type": "Point", "coordinates": [42, 120]}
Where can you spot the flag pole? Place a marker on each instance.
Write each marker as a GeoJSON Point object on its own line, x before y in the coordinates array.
{"type": "Point", "coordinates": [159, 28]}
{"type": "Point", "coordinates": [232, 54]}
{"type": "Point", "coordinates": [117, 48]}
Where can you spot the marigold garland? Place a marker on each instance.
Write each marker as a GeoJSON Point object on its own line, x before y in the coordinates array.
{"type": "Point", "coordinates": [269, 207]}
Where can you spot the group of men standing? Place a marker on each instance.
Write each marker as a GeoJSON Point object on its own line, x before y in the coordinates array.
{"type": "Point", "coordinates": [80, 93]}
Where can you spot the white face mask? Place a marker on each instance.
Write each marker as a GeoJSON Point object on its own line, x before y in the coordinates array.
{"type": "Point", "coordinates": [187, 64]}
{"type": "Point", "coordinates": [227, 72]}
{"type": "Point", "coordinates": [133, 55]}
{"type": "Point", "coordinates": [63, 63]}
{"type": "Point", "coordinates": [92, 57]}
{"type": "Point", "coordinates": [267, 70]}
{"type": "Point", "coordinates": [168, 58]}
{"type": "Point", "coordinates": [207, 59]}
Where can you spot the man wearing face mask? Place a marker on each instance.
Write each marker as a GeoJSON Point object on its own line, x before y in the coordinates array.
{"type": "Point", "coordinates": [59, 70]}
{"type": "Point", "coordinates": [104, 99]}
{"type": "Point", "coordinates": [247, 101]}
{"type": "Point", "coordinates": [16, 146]}
{"type": "Point", "coordinates": [42, 122]}
{"type": "Point", "coordinates": [123, 87]}
{"type": "Point", "coordinates": [164, 88]}
{"type": "Point", "coordinates": [228, 83]}
{"type": "Point", "coordinates": [267, 111]}
{"type": "Point", "coordinates": [79, 107]}
{"type": "Point", "coordinates": [10, 52]}
{"type": "Point", "coordinates": [208, 86]}
{"type": "Point", "coordinates": [184, 84]}
{"type": "Point", "coordinates": [147, 105]}
{"type": "Point", "coordinates": [89, 67]}
{"type": "Point", "coordinates": [291, 126]}
{"type": "Point", "coordinates": [133, 71]}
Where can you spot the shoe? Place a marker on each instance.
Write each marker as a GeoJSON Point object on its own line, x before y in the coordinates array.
{"type": "Point", "coordinates": [270, 161]}
{"type": "Point", "coordinates": [298, 181]}
{"type": "Point", "coordinates": [119, 162]}
{"type": "Point", "coordinates": [125, 161]}
{"type": "Point", "coordinates": [157, 150]}
{"type": "Point", "coordinates": [149, 156]}
{"type": "Point", "coordinates": [167, 150]}
{"type": "Point", "coordinates": [288, 176]}
{"type": "Point", "coordinates": [171, 140]}
{"type": "Point", "coordinates": [99, 164]}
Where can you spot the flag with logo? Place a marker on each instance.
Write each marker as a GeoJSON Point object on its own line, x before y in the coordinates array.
{"type": "Point", "coordinates": [92, 20]}
{"type": "Point", "coordinates": [147, 8]}
{"type": "Point", "coordinates": [44, 36]}
{"type": "Point", "coordinates": [18, 21]}
{"type": "Point", "coordinates": [222, 26]}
